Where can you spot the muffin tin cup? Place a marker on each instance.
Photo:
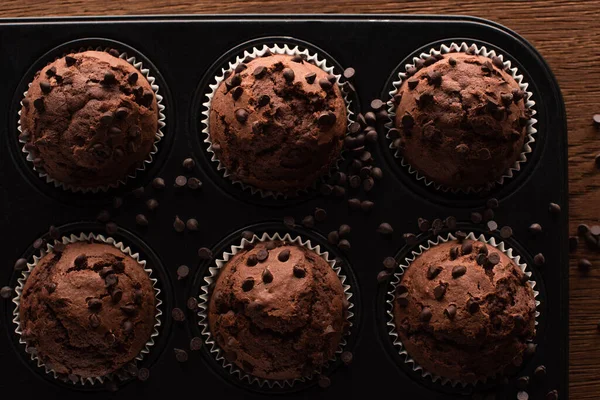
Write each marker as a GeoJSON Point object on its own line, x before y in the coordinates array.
{"type": "Point", "coordinates": [211, 279]}
{"type": "Point", "coordinates": [397, 279]}
{"type": "Point", "coordinates": [158, 136]}
{"type": "Point", "coordinates": [255, 52]}
{"type": "Point", "coordinates": [529, 103]}
{"type": "Point", "coordinates": [82, 237]}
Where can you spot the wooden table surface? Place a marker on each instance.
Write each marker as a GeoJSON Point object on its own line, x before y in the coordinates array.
{"type": "Point", "coordinates": [566, 33]}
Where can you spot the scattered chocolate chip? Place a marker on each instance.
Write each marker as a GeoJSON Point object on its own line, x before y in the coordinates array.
{"type": "Point", "coordinates": [492, 203]}
{"type": "Point", "coordinates": [434, 271]}
{"type": "Point", "coordinates": [383, 276]}
{"type": "Point", "coordinates": [248, 235]}
{"type": "Point", "coordinates": [535, 228]}
{"type": "Point", "coordinates": [506, 232]}
{"type": "Point", "coordinates": [189, 163]}
{"type": "Point", "coordinates": [181, 355]}
{"type": "Point", "coordinates": [450, 311]}
{"type": "Point", "coordinates": [20, 264]}
{"type": "Point", "coordinates": [424, 225]}
{"type": "Point", "coordinates": [267, 275]}
{"type": "Point", "coordinates": [385, 229]}
{"type": "Point", "coordinates": [205, 253]}
{"type": "Point", "coordinates": [344, 245]}
{"type": "Point", "coordinates": [492, 226]}
{"type": "Point", "coordinates": [554, 208]}
{"type": "Point", "coordinates": [552, 395]}
{"type": "Point", "coordinates": [460, 236]}
{"type": "Point", "coordinates": [522, 395]}
{"type": "Point", "coordinates": [540, 372]}
{"type": "Point", "coordinates": [143, 374]}
{"type": "Point", "coordinates": [111, 228]}
{"type": "Point", "coordinates": [141, 220]}
{"type": "Point", "coordinates": [324, 382]}
{"type": "Point", "coordinates": [38, 243]}
{"type": "Point", "coordinates": [366, 205]}
{"type": "Point", "coordinates": [138, 192]}
{"type": "Point", "coordinates": [289, 222]}
{"type": "Point", "coordinates": [377, 104]}
{"type": "Point", "coordinates": [390, 263]}
{"type": "Point", "coordinates": [152, 204]}
{"type": "Point", "coordinates": [178, 225]}
{"type": "Point", "coordinates": [192, 224]}
{"type": "Point", "coordinates": [158, 183]}
{"type": "Point", "coordinates": [425, 315]}
{"type": "Point", "coordinates": [476, 217]}
{"type": "Point", "coordinates": [333, 237]}
{"type": "Point", "coordinates": [6, 292]}
{"type": "Point", "coordinates": [573, 243]}
{"type": "Point", "coordinates": [539, 259]}
{"type": "Point", "coordinates": [440, 290]}
{"type": "Point", "coordinates": [327, 118]}
{"type": "Point", "coordinates": [178, 315]}
{"type": "Point", "coordinates": [183, 271]}
{"type": "Point", "coordinates": [488, 214]}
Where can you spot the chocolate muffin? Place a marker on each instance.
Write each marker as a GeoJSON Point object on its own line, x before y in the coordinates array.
{"type": "Point", "coordinates": [89, 119]}
{"type": "Point", "coordinates": [278, 123]}
{"type": "Point", "coordinates": [87, 310]}
{"type": "Point", "coordinates": [461, 120]}
{"type": "Point", "coordinates": [277, 311]}
{"type": "Point", "coordinates": [464, 311]}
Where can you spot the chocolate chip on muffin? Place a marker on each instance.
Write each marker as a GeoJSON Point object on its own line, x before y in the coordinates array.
{"type": "Point", "coordinates": [275, 125]}
{"type": "Point", "coordinates": [463, 319]}
{"type": "Point", "coordinates": [280, 318]}
{"type": "Point", "coordinates": [462, 120]}
{"type": "Point", "coordinates": [90, 124]}
{"type": "Point", "coordinates": [88, 310]}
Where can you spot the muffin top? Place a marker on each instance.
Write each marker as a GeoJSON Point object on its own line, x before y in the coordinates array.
{"type": "Point", "coordinates": [278, 123]}
{"type": "Point", "coordinates": [278, 311]}
{"type": "Point", "coordinates": [464, 311]}
{"type": "Point", "coordinates": [88, 310]}
{"type": "Point", "coordinates": [89, 119]}
{"type": "Point", "coordinates": [461, 120]}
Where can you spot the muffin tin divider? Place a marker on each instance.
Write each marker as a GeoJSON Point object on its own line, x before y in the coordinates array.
{"type": "Point", "coordinates": [183, 49]}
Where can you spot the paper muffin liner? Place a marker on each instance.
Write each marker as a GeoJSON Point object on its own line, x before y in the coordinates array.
{"type": "Point", "coordinates": [529, 104]}
{"type": "Point", "coordinates": [82, 237]}
{"type": "Point", "coordinates": [256, 52]}
{"type": "Point", "coordinates": [397, 278]}
{"type": "Point", "coordinates": [211, 279]}
{"type": "Point", "coordinates": [158, 136]}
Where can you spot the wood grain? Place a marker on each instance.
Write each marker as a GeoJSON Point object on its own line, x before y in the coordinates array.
{"type": "Point", "coordinates": [566, 33]}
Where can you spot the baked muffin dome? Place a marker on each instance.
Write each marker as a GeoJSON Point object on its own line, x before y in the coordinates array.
{"type": "Point", "coordinates": [462, 120]}
{"type": "Point", "coordinates": [278, 123]}
{"type": "Point", "coordinates": [89, 119]}
{"type": "Point", "coordinates": [88, 310]}
{"type": "Point", "coordinates": [464, 311]}
{"type": "Point", "coordinates": [277, 311]}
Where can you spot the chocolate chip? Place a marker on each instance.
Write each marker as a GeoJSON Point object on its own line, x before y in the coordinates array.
{"type": "Point", "coordinates": [241, 115]}
{"type": "Point", "coordinates": [109, 78]}
{"type": "Point", "coordinates": [425, 315]}
{"type": "Point", "coordinates": [539, 259]}
{"type": "Point", "coordinates": [46, 87]}
{"type": "Point", "coordinates": [460, 236]}
{"type": "Point", "coordinates": [492, 226]}
{"type": "Point", "coordinates": [141, 220]}
{"type": "Point", "coordinates": [80, 260]}
{"type": "Point", "coordinates": [194, 183]}
{"type": "Point", "coordinates": [239, 68]}
{"type": "Point", "coordinates": [324, 382]}
{"type": "Point", "coordinates": [472, 305]}
{"type": "Point", "coordinates": [129, 309]}
{"type": "Point", "coordinates": [453, 253]}
{"type": "Point", "coordinates": [497, 62]}
{"type": "Point", "coordinates": [493, 258]}
{"type": "Point", "coordinates": [368, 184]}
{"type": "Point", "coordinates": [288, 74]}
{"type": "Point", "coordinates": [181, 355]}
{"type": "Point", "coordinates": [552, 395]}
{"type": "Point", "coordinates": [258, 72]}
{"type": "Point", "coordinates": [484, 154]}
{"type": "Point", "coordinates": [554, 208]}
{"type": "Point", "coordinates": [178, 315]}
{"type": "Point", "coordinates": [20, 264]}
{"type": "Point", "coordinates": [116, 295]}
{"type": "Point", "coordinates": [476, 217]}
{"type": "Point", "coordinates": [439, 291]}
{"type": "Point", "coordinates": [377, 104]}
{"type": "Point", "coordinates": [138, 192]}
{"type": "Point", "coordinates": [452, 61]}
{"type": "Point", "coordinates": [70, 61]}
{"type": "Point", "coordinates": [325, 84]}
{"type": "Point", "coordinates": [450, 311]}
{"type": "Point", "coordinates": [262, 255]}
{"type": "Point", "coordinates": [354, 204]}
{"type": "Point", "coordinates": [584, 265]}
{"type": "Point", "coordinates": [506, 232]}
{"type": "Point", "coordinates": [284, 255]}
{"type": "Point", "coordinates": [540, 372]}
{"type": "Point", "coordinates": [299, 272]}
{"type": "Point", "coordinates": [192, 303]}
{"type": "Point", "coordinates": [344, 245]}
{"type": "Point", "coordinates": [310, 77]}
{"type": "Point", "coordinates": [248, 235]}
{"type": "Point", "coordinates": [267, 276]}
{"type": "Point", "coordinates": [192, 224]}
{"type": "Point", "coordinates": [205, 253]}
{"type": "Point", "coordinates": [103, 216]}
{"type": "Point", "coordinates": [466, 247]}
{"type": "Point", "coordinates": [573, 243]}
{"type": "Point", "coordinates": [390, 263]}
{"type": "Point", "coordinates": [6, 292]}
{"type": "Point", "coordinates": [127, 326]}
{"type": "Point", "coordinates": [522, 395]}
{"type": "Point", "coordinates": [39, 104]}
{"type": "Point", "coordinates": [111, 228]}
{"type": "Point", "coordinates": [412, 83]}
{"type": "Point", "coordinates": [152, 204]}
{"type": "Point", "coordinates": [385, 229]}
{"type": "Point", "coordinates": [434, 271]}
{"type": "Point", "coordinates": [182, 272]}
{"type": "Point", "coordinates": [383, 276]}
{"type": "Point", "coordinates": [424, 224]}
{"type": "Point", "coordinates": [458, 271]}
{"type": "Point", "coordinates": [402, 298]}
{"type": "Point", "coordinates": [38, 243]}
{"type": "Point", "coordinates": [178, 224]}
{"type": "Point", "coordinates": [535, 228]}
{"type": "Point", "coordinates": [434, 78]}
{"type": "Point", "coordinates": [248, 284]}
{"type": "Point", "coordinates": [366, 205]}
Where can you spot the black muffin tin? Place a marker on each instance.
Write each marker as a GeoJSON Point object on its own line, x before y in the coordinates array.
{"type": "Point", "coordinates": [184, 53]}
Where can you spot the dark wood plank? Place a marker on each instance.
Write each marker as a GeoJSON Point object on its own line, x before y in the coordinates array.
{"type": "Point", "coordinates": [566, 33]}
